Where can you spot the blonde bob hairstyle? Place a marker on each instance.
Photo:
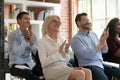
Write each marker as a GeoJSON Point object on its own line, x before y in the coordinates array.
{"type": "Point", "coordinates": [46, 23]}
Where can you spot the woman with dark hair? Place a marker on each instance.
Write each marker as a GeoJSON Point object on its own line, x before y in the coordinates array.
{"type": "Point", "coordinates": [113, 40]}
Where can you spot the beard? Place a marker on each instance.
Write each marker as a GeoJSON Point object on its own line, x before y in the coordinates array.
{"type": "Point", "coordinates": [86, 27]}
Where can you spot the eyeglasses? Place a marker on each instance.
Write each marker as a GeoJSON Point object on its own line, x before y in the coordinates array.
{"type": "Point", "coordinates": [56, 21]}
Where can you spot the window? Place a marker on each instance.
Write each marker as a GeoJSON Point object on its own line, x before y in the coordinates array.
{"type": "Point", "coordinates": [100, 12]}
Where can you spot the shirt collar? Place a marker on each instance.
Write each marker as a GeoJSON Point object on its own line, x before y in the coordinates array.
{"type": "Point", "coordinates": [82, 33]}
{"type": "Point", "coordinates": [20, 33]}
{"type": "Point", "coordinates": [48, 37]}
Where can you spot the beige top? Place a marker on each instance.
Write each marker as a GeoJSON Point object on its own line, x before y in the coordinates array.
{"type": "Point", "coordinates": [54, 64]}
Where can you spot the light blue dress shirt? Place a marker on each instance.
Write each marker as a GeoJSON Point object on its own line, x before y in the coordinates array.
{"type": "Point", "coordinates": [20, 51]}
{"type": "Point", "coordinates": [83, 46]}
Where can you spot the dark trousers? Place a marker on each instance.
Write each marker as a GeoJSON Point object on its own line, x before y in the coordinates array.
{"type": "Point", "coordinates": [112, 71]}
{"type": "Point", "coordinates": [97, 73]}
{"type": "Point", "coordinates": [26, 73]}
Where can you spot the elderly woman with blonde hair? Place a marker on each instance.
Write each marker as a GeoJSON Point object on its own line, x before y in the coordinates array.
{"type": "Point", "coordinates": [53, 54]}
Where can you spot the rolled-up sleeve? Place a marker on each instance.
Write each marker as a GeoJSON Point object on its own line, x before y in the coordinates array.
{"type": "Point", "coordinates": [81, 49]}
{"type": "Point", "coordinates": [15, 47]}
{"type": "Point", "coordinates": [34, 47]}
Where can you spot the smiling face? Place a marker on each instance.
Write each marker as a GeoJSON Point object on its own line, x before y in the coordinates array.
{"type": "Point", "coordinates": [54, 25]}
{"type": "Point", "coordinates": [24, 22]}
{"type": "Point", "coordinates": [84, 23]}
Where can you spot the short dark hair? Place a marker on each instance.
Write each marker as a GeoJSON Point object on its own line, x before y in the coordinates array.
{"type": "Point", "coordinates": [19, 16]}
{"type": "Point", "coordinates": [78, 17]}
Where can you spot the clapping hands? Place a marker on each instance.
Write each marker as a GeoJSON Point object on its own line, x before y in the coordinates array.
{"type": "Point", "coordinates": [104, 36]}
{"type": "Point", "coordinates": [28, 34]}
{"type": "Point", "coordinates": [64, 47]}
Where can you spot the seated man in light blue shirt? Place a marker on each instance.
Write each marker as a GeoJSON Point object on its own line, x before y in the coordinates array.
{"type": "Point", "coordinates": [88, 49]}
{"type": "Point", "coordinates": [22, 43]}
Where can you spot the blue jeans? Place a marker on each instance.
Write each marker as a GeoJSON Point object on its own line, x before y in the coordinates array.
{"type": "Point", "coordinates": [97, 73]}
{"type": "Point", "coordinates": [112, 71]}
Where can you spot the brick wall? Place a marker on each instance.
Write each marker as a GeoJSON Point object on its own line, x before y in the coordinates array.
{"type": "Point", "coordinates": [65, 18]}
{"type": "Point", "coordinates": [6, 11]}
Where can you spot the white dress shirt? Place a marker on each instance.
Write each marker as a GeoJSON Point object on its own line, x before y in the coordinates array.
{"type": "Point", "coordinates": [48, 51]}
